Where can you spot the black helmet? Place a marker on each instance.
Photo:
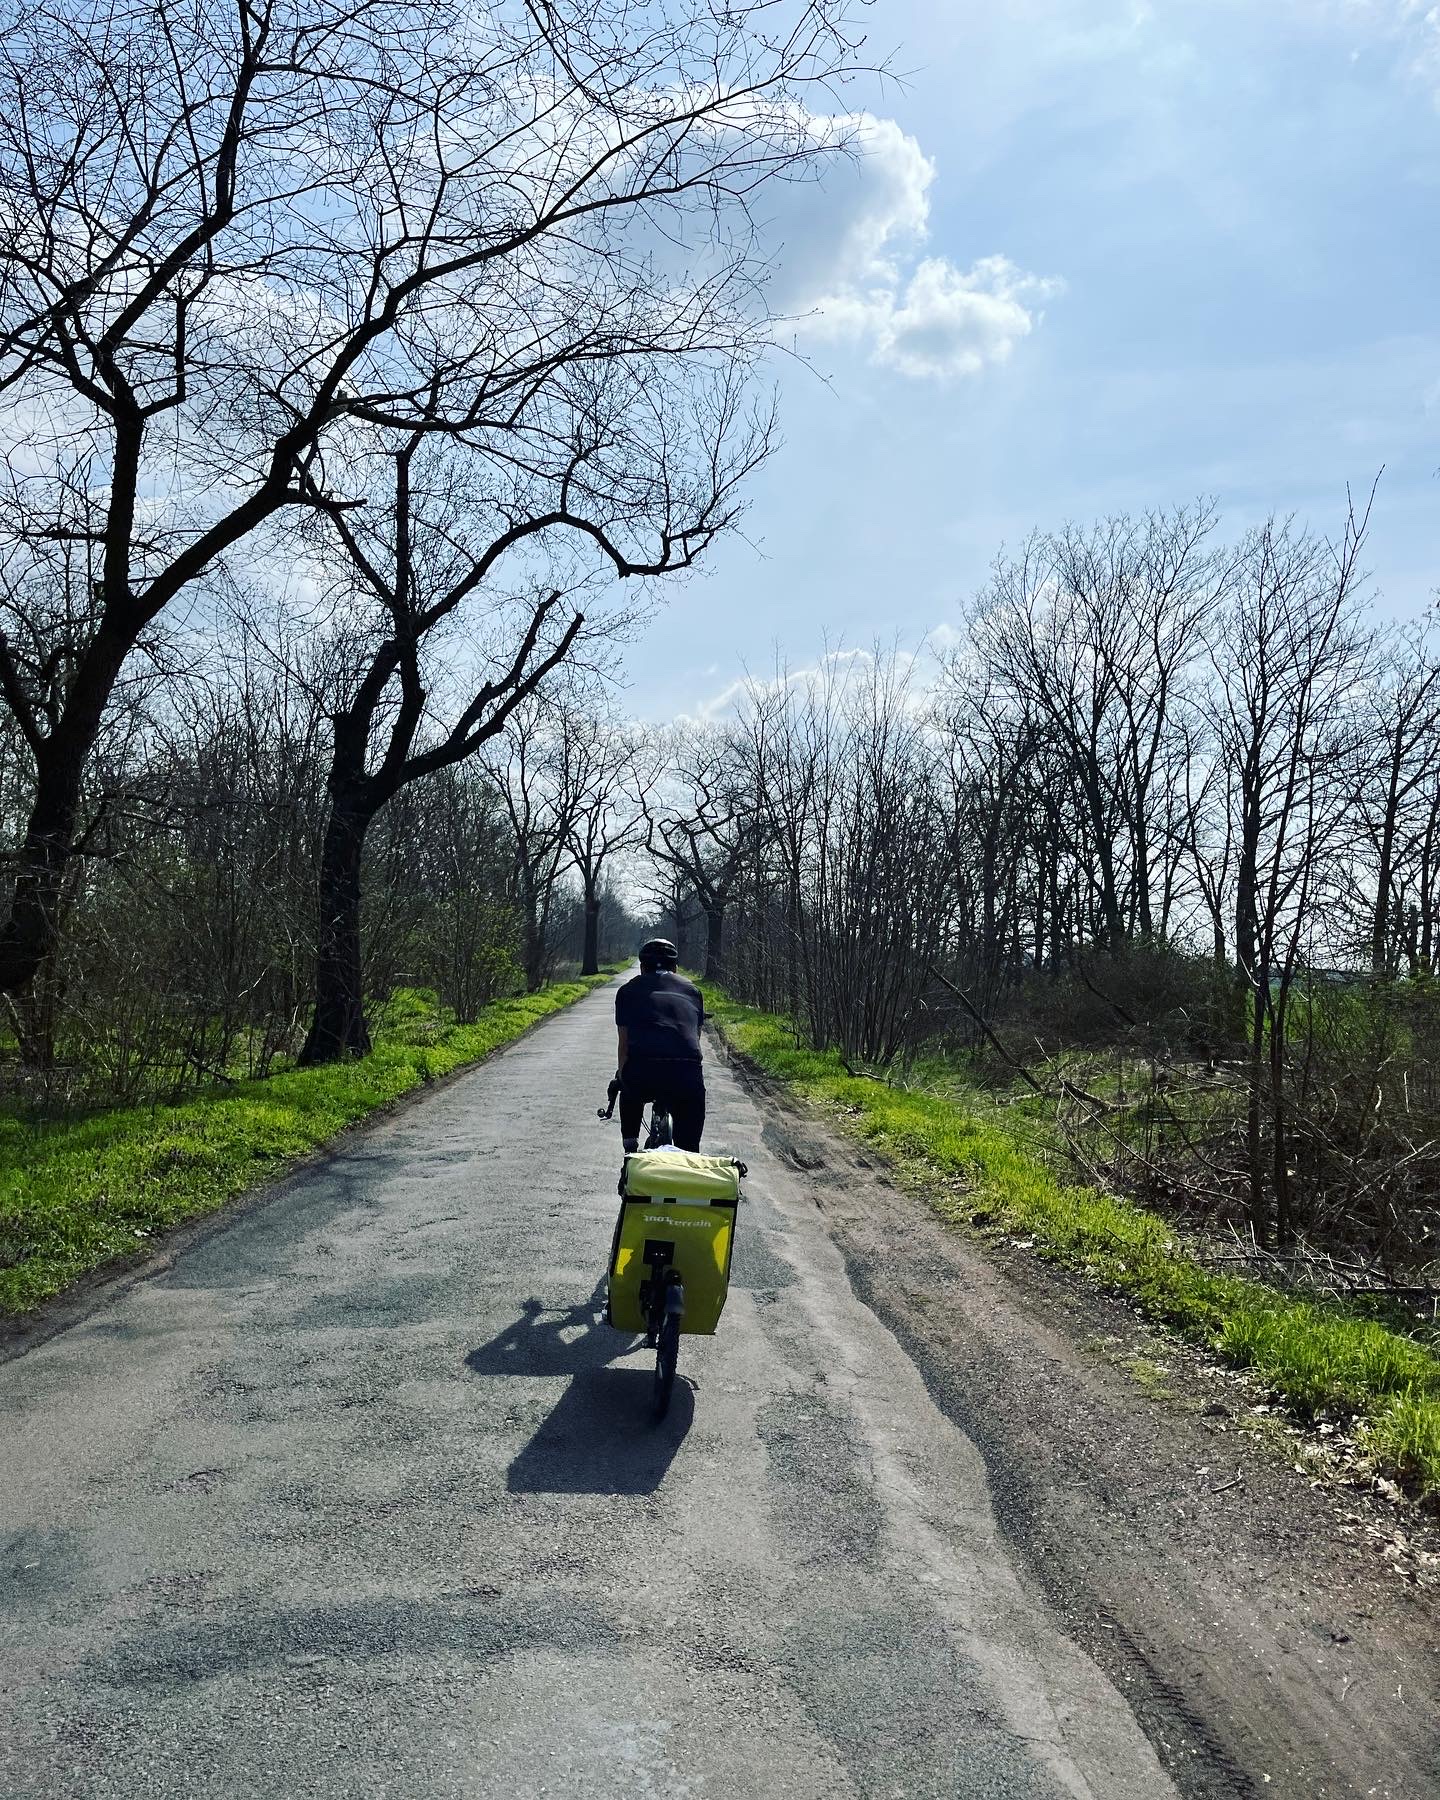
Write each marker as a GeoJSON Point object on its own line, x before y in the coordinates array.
{"type": "Point", "coordinates": [659, 953]}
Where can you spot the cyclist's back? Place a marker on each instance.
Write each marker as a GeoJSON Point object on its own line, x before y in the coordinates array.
{"type": "Point", "coordinates": [662, 1013]}
{"type": "Point", "coordinates": [659, 1015]}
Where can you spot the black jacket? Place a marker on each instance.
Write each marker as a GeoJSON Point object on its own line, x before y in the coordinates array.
{"type": "Point", "coordinates": [662, 1014]}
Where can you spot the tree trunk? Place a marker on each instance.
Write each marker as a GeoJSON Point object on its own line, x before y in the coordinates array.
{"type": "Point", "coordinates": [339, 1029]}
{"type": "Point", "coordinates": [28, 938]}
{"type": "Point", "coordinates": [1279, 1124]}
{"type": "Point", "coordinates": [1254, 1153]}
{"type": "Point", "coordinates": [1380, 960]}
{"type": "Point", "coordinates": [532, 948]}
{"type": "Point", "coordinates": [590, 962]}
{"type": "Point", "coordinates": [30, 933]}
{"type": "Point", "coordinates": [714, 942]}
{"type": "Point", "coordinates": [1144, 912]}
{"type": "Point", "coordinates": [1111, 918]}
{"type": "Point", "coordinates": [1057, 923]}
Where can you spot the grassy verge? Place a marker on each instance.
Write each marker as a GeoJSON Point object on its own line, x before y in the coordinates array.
{"type": "Point", "coordinates": [1320, 1358]}
{"type": "Point", "coordinates": [78, 1195]}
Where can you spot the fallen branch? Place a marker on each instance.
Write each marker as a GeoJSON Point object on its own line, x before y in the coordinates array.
{"type": "Point", "coordinates": [984, 1024]}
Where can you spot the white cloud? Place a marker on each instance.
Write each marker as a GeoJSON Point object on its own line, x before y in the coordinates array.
{"type": "Point", "coordinates": [1422, 25]}
{"type": "Point", "coordinates": [1409, 28]}
{"type": "Point", "coordinates": [839, 676]}
{"type": "Point", "coordinates": [835, 667]}
{"type": "Point", "coordinates": [944, 638]}
{"type": "Point", "coordinates": [855, 268]}
{"type": "Point", "coordinates": [888, 203]}
{"type": "Point", "coordinates": [949, 322]}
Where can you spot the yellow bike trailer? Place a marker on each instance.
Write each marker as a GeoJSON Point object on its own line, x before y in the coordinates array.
{"type": "Point", "coordinates": [677, 1212]}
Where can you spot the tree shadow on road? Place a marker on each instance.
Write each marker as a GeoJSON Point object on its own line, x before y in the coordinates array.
{"type": "Point", "coordinates": [601, 1437]}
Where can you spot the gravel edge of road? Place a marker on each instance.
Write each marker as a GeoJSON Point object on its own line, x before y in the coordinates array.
{"type": "Point", "coordinates": [1257, 1710]}
{"type": "Point", "coordinates": [23, 1332]}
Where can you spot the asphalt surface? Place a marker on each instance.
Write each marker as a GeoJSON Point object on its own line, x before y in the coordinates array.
{"type": "Point", "coordinates": [361, 1497]}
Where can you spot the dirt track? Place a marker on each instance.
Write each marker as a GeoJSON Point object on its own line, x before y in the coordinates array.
{"type": "Point", "coordinates": [1251, 1625]}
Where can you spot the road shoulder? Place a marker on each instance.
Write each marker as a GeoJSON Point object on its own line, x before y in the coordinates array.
{"type": "Point", "coordinates": [1263, 1638]}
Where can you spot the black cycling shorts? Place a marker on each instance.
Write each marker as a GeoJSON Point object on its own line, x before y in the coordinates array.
{"type": "Point", "coordinates": [677, 1086]}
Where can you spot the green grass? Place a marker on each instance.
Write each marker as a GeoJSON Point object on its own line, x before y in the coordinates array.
{"type": "Point", "coordinates": [1321, 1358]}
{"type": "Point", "coordinates": [75, 1196]}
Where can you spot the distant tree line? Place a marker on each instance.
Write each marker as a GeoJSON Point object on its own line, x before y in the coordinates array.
{"type": "Point", "coordinates": [187, 943]}
{"type": "Point", "coordinates": [1162, 791]}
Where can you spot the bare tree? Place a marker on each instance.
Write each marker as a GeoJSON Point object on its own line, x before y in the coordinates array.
{"type": "Point", "coordinates": [1396, 790]}
{"type": "Point", "coordinates": [879, 846]}
{"type": "Point", "coordinates": [233, 234]}
{"type": "Point", "coordinates": [425, 563]}
{"type": "Point", "coordinates": [1289, 656]}
{"type": "Point", "coordinates": [438, 907]}
{"type": "Point", "coordinates": [989, 745]}
{"type": "Point", "coordinates": [670, 903]}
{"type": "Point", "coordinates": [1092, 631]}
{"type": "Point", "coordinates": [610, 771]}
{"type": "Point", "coordinates": [709, 826]}
{"type": "Point", "coordinates": [527, 765]}
{"type": "Point", "coordinates": [1422, 924]}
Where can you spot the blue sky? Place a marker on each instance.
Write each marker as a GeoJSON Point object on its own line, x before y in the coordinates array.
{"type": "Point", "coordinates": [1098, 256]}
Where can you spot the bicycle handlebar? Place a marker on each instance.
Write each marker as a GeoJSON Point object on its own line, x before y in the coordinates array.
{"type": "Point", "coordinates": [612, 1094]}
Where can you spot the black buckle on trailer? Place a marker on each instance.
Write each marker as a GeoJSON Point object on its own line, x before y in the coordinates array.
{"type": "Point", "coordinates": [658, 1256]}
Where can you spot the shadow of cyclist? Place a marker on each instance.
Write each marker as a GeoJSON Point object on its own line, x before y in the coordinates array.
{"type": "Point", "coordinates": [552, 1341]}
{"type": "Point", "coordinates": [601, 1437]}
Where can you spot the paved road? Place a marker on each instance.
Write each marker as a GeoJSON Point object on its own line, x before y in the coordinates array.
{"type": "Point", "coordinates": [360, 1498]}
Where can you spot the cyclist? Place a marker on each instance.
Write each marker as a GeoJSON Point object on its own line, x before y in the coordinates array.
{"type": "Point", "coordinates": [658, 1015]}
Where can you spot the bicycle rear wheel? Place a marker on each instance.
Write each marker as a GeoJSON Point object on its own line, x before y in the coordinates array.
{"type": "Point", "coordinates": [667, 1355]}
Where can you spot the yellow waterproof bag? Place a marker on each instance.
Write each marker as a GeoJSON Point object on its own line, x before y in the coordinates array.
{"type": "Point", "coordinates": [677, 1210]}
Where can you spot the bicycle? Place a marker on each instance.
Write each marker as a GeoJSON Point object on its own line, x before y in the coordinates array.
{"type": "Point", "coordinates": [663, 1295]}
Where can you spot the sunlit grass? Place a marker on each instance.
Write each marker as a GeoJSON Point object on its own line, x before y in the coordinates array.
{"type": "Point", "coordinates": [74, 1196]}
{"type": "Point", "coordinates": [1320, 1358]}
